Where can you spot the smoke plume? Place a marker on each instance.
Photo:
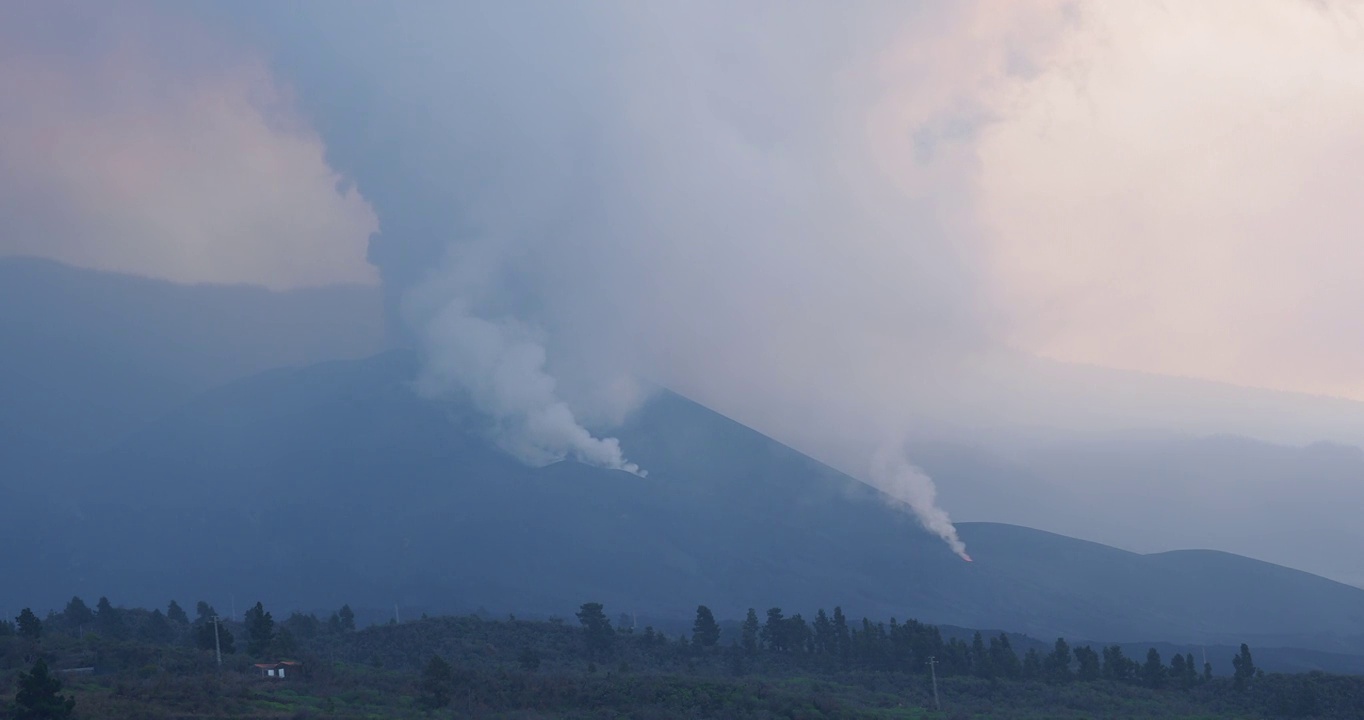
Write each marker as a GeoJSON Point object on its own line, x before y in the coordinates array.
{"type": "Point", "coordinates": [757, 205]}
{"type": "Point", "coordinates": [892, 473]}
{"type": "Point", "coordinates": [498, 364]}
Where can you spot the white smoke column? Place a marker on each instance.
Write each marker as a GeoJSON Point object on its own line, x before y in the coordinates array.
{"type": "Point", "coordinates": [499, 364]}
{"type": "Point", "coordinates": [893, 474]}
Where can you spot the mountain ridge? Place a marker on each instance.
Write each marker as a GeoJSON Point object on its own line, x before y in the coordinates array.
{"type": "Point", "coordinates": [336, 483]}
{"type": "Point", "coordinates": [90, 354]}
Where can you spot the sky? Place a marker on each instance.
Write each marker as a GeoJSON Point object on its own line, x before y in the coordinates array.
{"type": "Point", "coordinates": [810, 216]}
{"type": "Point", "coordinates": [144, 142]}
{"type": "Point", "coordinates": [1165, 187]}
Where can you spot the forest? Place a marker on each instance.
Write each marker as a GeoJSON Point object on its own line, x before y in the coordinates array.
{"type": "Point", "coordinates": [112, 661]}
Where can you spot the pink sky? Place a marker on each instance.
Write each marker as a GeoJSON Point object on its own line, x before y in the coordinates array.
{"type": "Point", "coordinates": [149, 146]}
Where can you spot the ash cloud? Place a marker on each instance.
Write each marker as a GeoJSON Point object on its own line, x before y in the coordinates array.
{"type": "Point", "coordinates": [577, 201]}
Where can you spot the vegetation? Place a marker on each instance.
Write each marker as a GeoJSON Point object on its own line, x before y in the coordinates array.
{"type": "Point", "coordinates": [39, 696]}
{"type": "Point", "coordinates": [116, 662]}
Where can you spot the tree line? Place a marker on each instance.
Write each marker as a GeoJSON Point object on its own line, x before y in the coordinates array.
{"type": "Point", "coordinates": [474, 661]}
{"type": "Point", "coordinates": [828, 640]}
{"type": "Point", "coordinates": [831, 640]}
{"type": "Point", "coordinates": [207, 631]}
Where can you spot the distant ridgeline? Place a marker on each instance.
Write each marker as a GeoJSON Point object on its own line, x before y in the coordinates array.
{"type": "Point", "coordinates": [116, 662]}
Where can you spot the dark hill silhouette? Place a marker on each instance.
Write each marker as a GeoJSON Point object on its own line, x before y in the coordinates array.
{"type": "Point", "coordinates": [89, 355]}
{"type": "Point", "coordinates": [335, 483]}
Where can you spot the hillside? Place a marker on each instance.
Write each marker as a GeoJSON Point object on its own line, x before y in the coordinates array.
{"type": "Point", "coordinates": [335, 483]}
{"type": "Point", "coordinates": [89, 355]}
{"type": "Point", "coordinates": [1292, 505]}
{"type": "Point", "coordinates": [91, 358]}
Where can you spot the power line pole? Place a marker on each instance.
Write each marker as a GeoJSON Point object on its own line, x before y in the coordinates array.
{"type": "Point", "coordinates": [933, 671]}
{"type": "Point", "coordinates": [217, 646]}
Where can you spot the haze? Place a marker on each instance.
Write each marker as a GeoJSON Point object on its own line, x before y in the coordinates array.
{"type": "Point", "coordinates": [958, 224]}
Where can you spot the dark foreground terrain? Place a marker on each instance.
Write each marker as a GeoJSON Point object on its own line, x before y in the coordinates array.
{"type": "Point", "coordinates": [132, 663]}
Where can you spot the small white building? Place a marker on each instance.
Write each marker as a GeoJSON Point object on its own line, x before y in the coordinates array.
{"type": "Point", "coordinates": [279, 670]}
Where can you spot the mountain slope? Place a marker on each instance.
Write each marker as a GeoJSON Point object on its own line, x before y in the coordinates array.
{"type": "Point", "coordinates": [334, 483]}
{"type": "Point", "coordinates": [89, 355]}
{"type": "Point", "coordinates": [1150, 492]}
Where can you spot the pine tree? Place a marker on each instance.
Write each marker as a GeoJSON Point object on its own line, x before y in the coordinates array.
{"type": "Point", "coordinates": [597, 628]}
{"type": "Point", "coordinates": [824, 634]}
{"type": "Point", "coordinates": [1244, 667]}
{"type": "Point", "coordinates": [1178, 672]}
{"type": "Point", "coordinates": [347, 618]}
{"type": "Point", "coordinates": [176, 614]}
{"type": "Point", "coordinates": [1153, 672]}
{"type": "Point", "coordinates": [30, 626]}
{"type": "Point", "coordinates": [1087, 664]}
{"type": "Point", "coordinates": [1058, 662]}
{"type": "Point", "coordinates": [39, 696]}
{"type": "Point", "coordinates": [981, 666]}
{"type": "Point", "coordinates": [841, 633]}
{"type": "Point", "coordinates": [1032, 665]}
{"type": "Point", "coordinates": [750, 632]}
{"type": "Point", "coordinates": [1004, 658]}
{"type": "Point", "coordinates": [260, 630]}
{"type": "Point", "coordinates": [774, 630]}
{"type": "Point", "coordinates": [1116, 666]}
{"type": "Point", "coordinates": [77, 614]}
{"type": "Point", "coordinates": [435, 684]}
{"type": "Point", "coordinates": [109, 619]}
{"type": "Point", "coordinates": [797, 631]}
{"type": "Point", "coordinates": [957, 657]}
{"type": "Point", "coordinates": [705, 632]}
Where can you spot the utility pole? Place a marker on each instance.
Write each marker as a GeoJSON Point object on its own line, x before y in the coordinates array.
{"type": "Point", "coordinates": [217, 646]}
{"type": "Point", "coordinates": [933, 671]}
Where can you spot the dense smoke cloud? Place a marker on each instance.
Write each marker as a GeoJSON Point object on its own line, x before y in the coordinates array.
{"type": "Point", "coordinates": [758, 205]}
{"type": "Point", "coordinates": [741, 210]}
{"type": "Point", "coordinates": [498, 363]}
